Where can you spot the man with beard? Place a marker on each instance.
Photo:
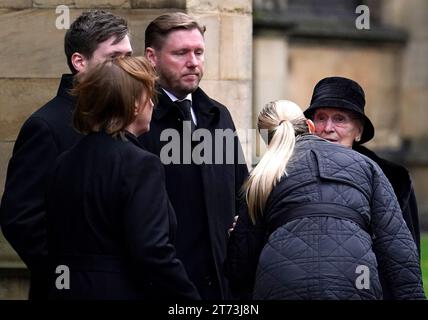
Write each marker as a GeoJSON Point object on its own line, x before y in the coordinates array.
{"type": "Point", "coordinates": [203, 194]}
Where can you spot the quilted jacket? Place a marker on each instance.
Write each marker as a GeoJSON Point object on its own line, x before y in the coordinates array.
{"type": "Point", "coordinates": [329, 228]}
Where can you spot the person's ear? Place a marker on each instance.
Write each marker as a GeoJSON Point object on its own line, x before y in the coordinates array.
{"type": "Point", "coordinates": [79, 62]}
{"type": "Point", "coordinates": [360, 133]}
{"type": "Point", "coordinates": [311, 125]}
{"type": "Point", "coordinates": [150, 54]}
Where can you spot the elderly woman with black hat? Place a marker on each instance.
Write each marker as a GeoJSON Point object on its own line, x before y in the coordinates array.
{"type": "Point", "coordinates": [337, 109]}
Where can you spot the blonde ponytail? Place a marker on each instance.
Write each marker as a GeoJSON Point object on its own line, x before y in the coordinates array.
{"type": "Point", "coordinates": [283, 120]}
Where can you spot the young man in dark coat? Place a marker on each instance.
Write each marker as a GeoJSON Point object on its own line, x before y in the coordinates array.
{"type": "Point", "coordinates": [93, 37]}
{"type": "Point", "coordinates": [203, 193]}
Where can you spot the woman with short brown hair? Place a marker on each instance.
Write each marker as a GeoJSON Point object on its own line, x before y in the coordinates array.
{"type": "Point", "coordinates": [109, 218]}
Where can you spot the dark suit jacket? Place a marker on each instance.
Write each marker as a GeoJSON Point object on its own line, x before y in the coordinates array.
{"type": "Point", "coordinates": [110, 222]}
{"type": "Point", "coordinates": [47, 133]}
{"type": "Point", "coordinates": [213, 188]}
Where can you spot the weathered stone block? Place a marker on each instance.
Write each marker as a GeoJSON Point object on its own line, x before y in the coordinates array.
{"type": "Point", "coordinates": [236, 6]}
{"type": "Point", "coordinates": [231, 6]}
{"type": "Point", "coordinates": [236, 96]}
{"type": "Point", "coordinates": [32, 46]}
{"type": "Point", "coordinates": [19, 98]}
{"type": "Point", "coordinates": [194, 6]}
{"type": "Point", "coordinates": [138, 21]}
{"type": "Point", "coordinates": [269, 78]}
{"type": "Point", "coordinates": [114, 4]}
{"type": "Point", "coordinates": [410, 15]}
{"type": "Point", "coordinates": [16, 4]}
{"type": "Point", "coordinates": [53, 3]}
{"type": "Point", "coordinates": [392, 12]}
{"type": "Point", "coordinates": [415, 56]}
{"type": "Point", "coordinates": [212, 45]}
{"type": "Point", "coordinates": [83, 3]}
{"type": "Point", "coordinates": [413, 113]}
{"type": "Point", "coordinates": [236, 47]}
{"type": "Point", "coordinates": [158, 4]}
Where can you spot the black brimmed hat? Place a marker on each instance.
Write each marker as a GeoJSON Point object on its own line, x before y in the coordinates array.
{"type": "Point", "coordinates": [341, 93]}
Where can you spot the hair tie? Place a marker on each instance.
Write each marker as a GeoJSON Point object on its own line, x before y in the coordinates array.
{"type": "Point", "coordinates": [281, 122]}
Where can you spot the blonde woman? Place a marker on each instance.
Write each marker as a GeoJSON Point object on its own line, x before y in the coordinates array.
{"type": "Point", "coordinates": [322, 221]}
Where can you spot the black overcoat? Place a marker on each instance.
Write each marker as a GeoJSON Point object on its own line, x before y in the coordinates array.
{"type": "Point", "coordinates": [216, 185]}
{"type": "Point", "coordinates": [44, 136]}
{"type": "Point", "coordinates": [111, 223]}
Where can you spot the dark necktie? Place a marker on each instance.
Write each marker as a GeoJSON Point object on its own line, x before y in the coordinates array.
{"type": "Point", "coordinates": [184, 107]}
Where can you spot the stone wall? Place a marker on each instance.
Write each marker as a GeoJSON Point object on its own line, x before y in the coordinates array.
{"type": "Point", "coordinates": [32, 61]}
{"type": "Point", "coordinates": [270, 76]}
{"type": "Point", "coordinates": [375, 68]}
